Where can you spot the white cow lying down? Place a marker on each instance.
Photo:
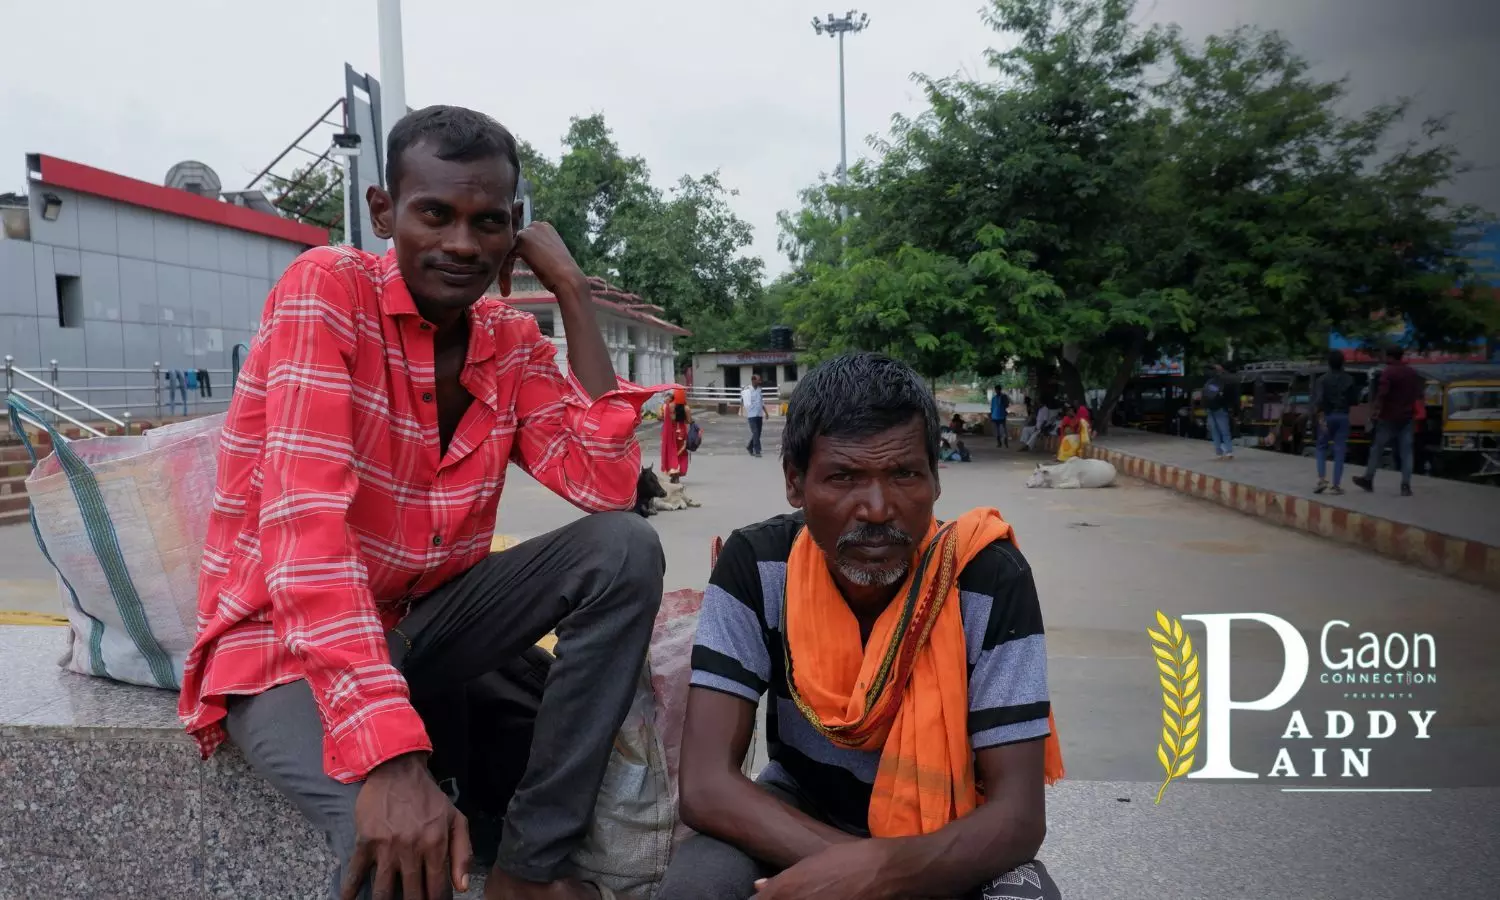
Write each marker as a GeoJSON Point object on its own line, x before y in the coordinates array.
{"type": "Point", "coordinates": [1077, 472]}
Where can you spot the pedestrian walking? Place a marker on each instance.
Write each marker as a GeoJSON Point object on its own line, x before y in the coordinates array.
{"type": "Point", "coordinates": [1332, 397]}
{"type": "Point", "coordinates": [753, 406]}
{"type": "Point", "coordinates": [1401, 389]}
{"type": "Point", "coordinates": [676, 417]}
{"type": "Point", "coordinates": [1221, 398]}
{"type": "Point", "coordinates": [999, 413]}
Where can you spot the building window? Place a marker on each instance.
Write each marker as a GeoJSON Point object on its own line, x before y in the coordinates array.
{"type": "Point", "coordinates": [69, 301]}
{"type": "Point", "coordinates": [791, 371]}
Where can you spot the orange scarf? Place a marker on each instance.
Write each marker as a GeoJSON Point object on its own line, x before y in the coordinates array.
{"type": "Point", "coordinates": [906, 691]}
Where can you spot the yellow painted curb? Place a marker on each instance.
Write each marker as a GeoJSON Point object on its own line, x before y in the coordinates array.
{"type": "Point", "coordinates": [20, 617]}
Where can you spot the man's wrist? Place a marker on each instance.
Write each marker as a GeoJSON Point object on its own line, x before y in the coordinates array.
{"type": "Point", "coordinates": [406, 763]}
{"type": "Point", "coordinates": [575, 289]}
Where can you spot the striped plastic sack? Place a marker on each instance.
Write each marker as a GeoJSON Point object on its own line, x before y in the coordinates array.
{"type": "Point", "coordinates": [123, 521]}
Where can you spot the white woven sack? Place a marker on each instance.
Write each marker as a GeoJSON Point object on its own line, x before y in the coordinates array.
{"type": "Point", "coordinates": [123, 521]}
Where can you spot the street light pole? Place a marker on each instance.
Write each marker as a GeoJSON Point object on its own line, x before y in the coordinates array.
{"type": "Point", "coordinates": [392, 67]}
{"type": "Point", "coordinates": [851, 22]}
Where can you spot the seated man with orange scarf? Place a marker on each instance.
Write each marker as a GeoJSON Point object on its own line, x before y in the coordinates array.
{"type": "Point", "coordinates": [907, 669]}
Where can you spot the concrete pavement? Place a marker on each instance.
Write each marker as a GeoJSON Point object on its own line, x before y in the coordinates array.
{"type": "Point", "coordinates": [1105, 561]}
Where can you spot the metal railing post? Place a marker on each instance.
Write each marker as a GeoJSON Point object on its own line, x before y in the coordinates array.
{"type": "Point", "coordinates": [55, 420]}
{"type": "Point", "coordinates": [126, 416]}
{"type": "Point", "coordinates": [156, 388]}
{"type": "Point", "coordinates": [10, 375]}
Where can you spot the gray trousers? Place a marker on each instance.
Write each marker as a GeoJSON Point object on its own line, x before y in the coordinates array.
{"type": "Point", "coordinates": [598, 583]}
{"type": "Point", "coordinates": [706, 868]}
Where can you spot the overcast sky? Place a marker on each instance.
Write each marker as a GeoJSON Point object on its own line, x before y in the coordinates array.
{"type": "Point", "coordinates": [746, 88]}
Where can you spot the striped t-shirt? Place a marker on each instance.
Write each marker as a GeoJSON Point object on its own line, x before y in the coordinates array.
{"type": "Point", "coordinates": [739, 651]}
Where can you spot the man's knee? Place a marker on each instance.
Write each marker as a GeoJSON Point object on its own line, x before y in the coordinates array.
{"type": "Point", "coordinates": [626, 550]}
{"type": "Point", "coordinates": [705, 868]}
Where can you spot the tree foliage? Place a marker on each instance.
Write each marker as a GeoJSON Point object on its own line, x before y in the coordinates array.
{"type": "Point", "coordinates": [1112, 192]}
{"type": "Point", "coordinates": [682, 248]}
{"type": "Point", "coordinates": [314, 195]}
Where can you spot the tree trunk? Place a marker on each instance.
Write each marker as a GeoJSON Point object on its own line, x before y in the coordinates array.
{"type": "Point", "coordinates": [1117, 386]}
{"type": "Point", "coordinates": [1072, 378]}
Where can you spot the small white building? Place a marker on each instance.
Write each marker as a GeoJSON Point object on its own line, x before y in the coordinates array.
{"type": "Point", "coordinates": [722, 373]}
{"type": "Point", "coordinates": [639, 341]}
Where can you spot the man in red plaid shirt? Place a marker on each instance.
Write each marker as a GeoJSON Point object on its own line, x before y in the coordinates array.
{"type": "Point", "coordinates": [347, 572]}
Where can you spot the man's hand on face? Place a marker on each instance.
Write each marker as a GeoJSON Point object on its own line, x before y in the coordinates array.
{"type": "Point", "coordinates": [542, 249]}
{"type": "Point", "coordinates": [409, 835]}
{"type": "Point", "coordinates": [850, 871]}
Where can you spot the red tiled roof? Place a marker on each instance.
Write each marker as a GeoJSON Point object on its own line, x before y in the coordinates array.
{"type": "Point", "coordinates": [606, 295]}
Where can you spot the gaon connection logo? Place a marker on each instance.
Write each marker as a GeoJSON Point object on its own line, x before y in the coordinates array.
{"type": "Point", "coordinates": [1391, 677]}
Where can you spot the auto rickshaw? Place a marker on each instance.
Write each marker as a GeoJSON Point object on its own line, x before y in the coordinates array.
{"type": "Point", "coordinates": [1471, 428]}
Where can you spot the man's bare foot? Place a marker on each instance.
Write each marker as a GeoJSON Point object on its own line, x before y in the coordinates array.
{"type": "Point", "coordinates": [503, 886]}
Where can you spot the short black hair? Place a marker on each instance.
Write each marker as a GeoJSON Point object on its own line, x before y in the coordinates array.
{"type": "Point", "coordinates": [1393, 353]}
{"type": "Point", "coordinates": [856, 395]}
{"type": "Point", "coordinates": [454, 133]}
{"type": "Point", "coordinates": [1335, 359]}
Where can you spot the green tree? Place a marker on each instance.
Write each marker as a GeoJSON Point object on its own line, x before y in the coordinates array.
{"type": "Point", "coordinates": [1137, 195]}
{"type": "Point", "coordinates": [682, 249]}
{"type": "Point", "coordinates": [314, 194]}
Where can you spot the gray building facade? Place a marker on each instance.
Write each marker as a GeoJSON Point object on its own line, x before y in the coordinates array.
{"type": "Point", "coordinates": [116, 279]}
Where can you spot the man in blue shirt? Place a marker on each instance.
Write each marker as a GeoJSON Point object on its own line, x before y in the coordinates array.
{"type": "Point", "coordinates": [754, 405]}
{"type": "Point", "coordinates": [999, 412]}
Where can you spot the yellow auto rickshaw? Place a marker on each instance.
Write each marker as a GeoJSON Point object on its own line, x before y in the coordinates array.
{"type": "Point", "coordinates": [1471, 428]}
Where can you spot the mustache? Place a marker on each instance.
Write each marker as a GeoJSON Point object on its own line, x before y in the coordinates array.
{"type": "Point", "coordinates": [874, 534]}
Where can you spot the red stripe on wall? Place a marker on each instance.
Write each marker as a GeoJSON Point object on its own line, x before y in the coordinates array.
{"type": "Point", "coordinates": [89, 180]}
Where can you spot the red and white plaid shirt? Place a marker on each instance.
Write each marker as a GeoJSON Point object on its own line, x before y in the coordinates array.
{"type": "Point", "coordinates": [334, 509]}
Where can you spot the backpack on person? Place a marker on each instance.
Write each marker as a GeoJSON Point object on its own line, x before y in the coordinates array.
{"type": "Point", "coordinates": [694, 437]}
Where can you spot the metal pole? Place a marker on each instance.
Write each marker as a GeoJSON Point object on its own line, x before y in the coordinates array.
{"type": "Point", "coordinates": [392, 67]}
{"type": "Point", "coordinates": [346, 165]}
{"type": "Point", "coordinates": [843, 128]}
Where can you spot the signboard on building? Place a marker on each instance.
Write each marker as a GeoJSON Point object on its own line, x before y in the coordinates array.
{"type": "Point", "coordinates": [773, 358]}
{"type": "Point", "coordinates": [1171, 366]}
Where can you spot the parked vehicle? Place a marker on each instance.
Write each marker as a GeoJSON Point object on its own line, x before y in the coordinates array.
{"type": "Point", "coordinates": [1471, 427]}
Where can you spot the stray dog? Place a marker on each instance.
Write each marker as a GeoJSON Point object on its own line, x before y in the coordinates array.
{"type": "Point", "coordinates": [673, 499]}
{"type": "Point", "coordinates": [1077, 472]}
{"type": "Point", "coordinates": [648, 491]}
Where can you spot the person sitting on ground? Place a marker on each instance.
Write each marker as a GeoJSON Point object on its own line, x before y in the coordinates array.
{"type": "Point", "coordinates": [1044, 425]}
{"type": "Point", "coordinates": [347, 571]}
{"type": "Point", "coordinates": [892, 644]}
{"type": "Point", "coordinates": [1076, 433]}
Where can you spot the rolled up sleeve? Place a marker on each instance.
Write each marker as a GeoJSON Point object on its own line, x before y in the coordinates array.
{"type": "Point", "coordinates": [583, 449]}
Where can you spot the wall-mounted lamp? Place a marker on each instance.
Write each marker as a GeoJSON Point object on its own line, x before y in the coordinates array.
{"type": "Point", "coordinates": [51, 206]}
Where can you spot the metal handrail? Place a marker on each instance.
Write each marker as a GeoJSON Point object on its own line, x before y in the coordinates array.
{"type": "Point", "coordinates": [68, 398]}
{"type": "Point", "coordinates": [769, 394]}
{"type": "Point", "coordinates": [11, 369]}
{"type": "Point", "coordinates": [33, 401]}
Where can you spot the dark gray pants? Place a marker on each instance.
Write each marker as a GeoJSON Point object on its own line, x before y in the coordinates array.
{"type": "Point", "coordinates": [706, 868]}
{"type": "Point", "coordinates": [598, 583]}
{"type": "Point", "coordinates": [755, 425]}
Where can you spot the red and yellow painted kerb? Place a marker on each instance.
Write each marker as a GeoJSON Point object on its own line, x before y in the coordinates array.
{"type": "Point", "coordinates": [1471, 561]}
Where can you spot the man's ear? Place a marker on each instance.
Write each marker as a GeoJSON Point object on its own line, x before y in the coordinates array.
{"type": "Point", "coordinates": [794, 483]}
{"type": "Point", "coordinates": [382, 212]}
